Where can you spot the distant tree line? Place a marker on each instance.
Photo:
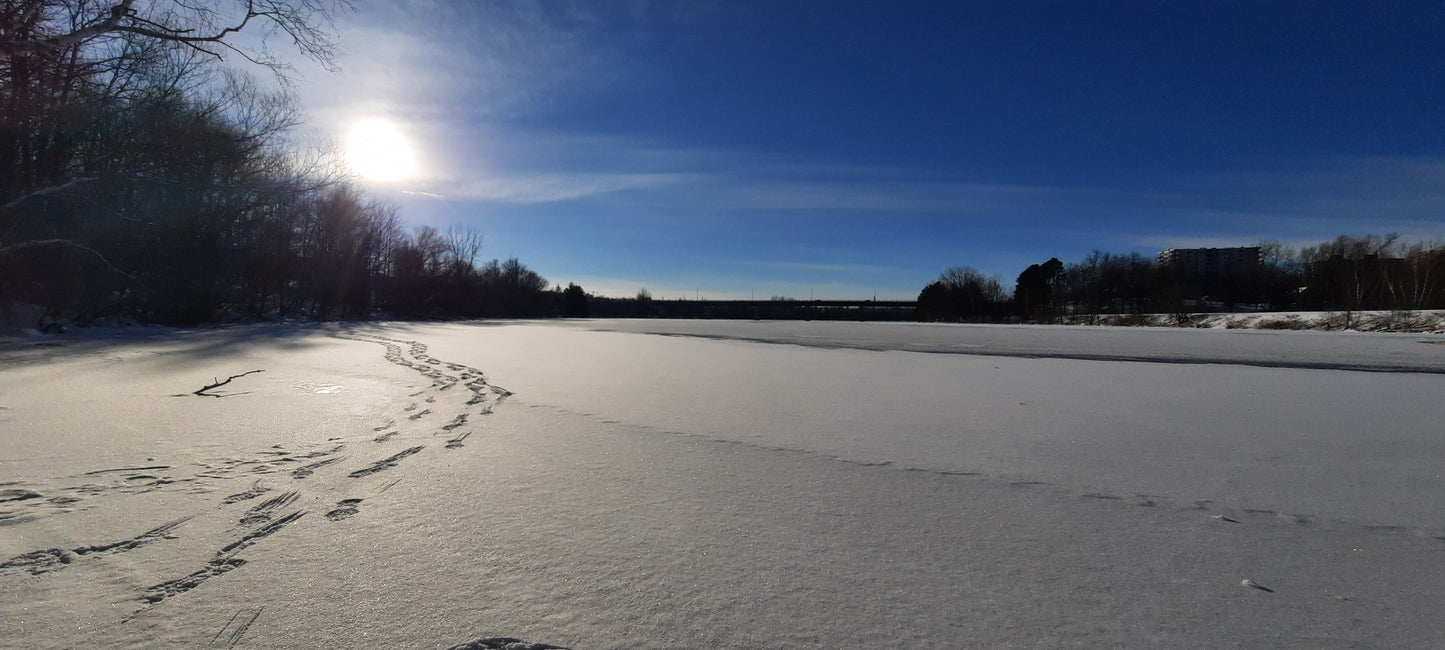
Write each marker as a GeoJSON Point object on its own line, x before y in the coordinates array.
{"type": "Point", "coordinates": [1349, 273]}
{"type": "Point", "coordinates": [777, 308]}
{"type": "Point", "coordinates": [138, 179]}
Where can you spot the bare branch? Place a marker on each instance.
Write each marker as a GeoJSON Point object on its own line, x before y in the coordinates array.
{"type": "Point", "coordinates": [39, 243]}
{"type": "Point", "coordinates": [118, 13]}
{"type": "Point", "coordinates": [49, 191]}
{"type": "Point", "coordinates": [202, 392]}
{"type": "Point", "coordinates": [198, 24]}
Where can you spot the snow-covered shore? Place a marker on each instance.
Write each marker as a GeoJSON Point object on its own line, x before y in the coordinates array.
{"type": "Point", "coordinates": [1420, 321]}
{"type": "Point", "coordinates": [633, 484]}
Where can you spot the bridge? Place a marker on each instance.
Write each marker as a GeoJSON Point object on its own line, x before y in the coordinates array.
{"type": "Point", "coordinates": [757, 309]}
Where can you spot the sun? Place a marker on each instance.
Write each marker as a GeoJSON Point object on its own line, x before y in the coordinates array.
{"type": "Point", "coordinates": [377, 150]}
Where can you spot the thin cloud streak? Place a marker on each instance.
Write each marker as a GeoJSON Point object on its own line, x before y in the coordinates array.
{"type": "Point", "coordinates": [724, 181]}
{"type": "Point", "coordinates": [826, 268]}
{"type": "Point", "coordinates": [890, 196]}
{"type": "Point", "coordinates": [554, 187]}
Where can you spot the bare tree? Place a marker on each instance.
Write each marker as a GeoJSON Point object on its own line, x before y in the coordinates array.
{"type": "Point", "coordinates": [967, 277]}
{"type": "Point", "coordinates": [462, 247]}
{"type": "Point", "coordinates": [1424, 266]}
{"type": "Point", "coordinates": [46, 27]}
{"type": "Point", "coordinates": [427, 241]}
{"type": "Point", "coordinates": [962, 293]}
{"type": "Point", "coordinates": [65, 62]}
{"type": "Point", "coordinates": [1350, 273]}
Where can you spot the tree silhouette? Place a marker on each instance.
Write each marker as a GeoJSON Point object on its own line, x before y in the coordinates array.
{"type": "Point", "coordinates": [574, 302]}
{"type": "Point", "coordinates": [1034, 290]}
{"type": "Point", "coordinates": [962, 293]}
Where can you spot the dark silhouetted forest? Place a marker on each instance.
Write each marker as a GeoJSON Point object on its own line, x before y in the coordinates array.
{"type": "Point", "coordinates": [140, 179]}
{"type": "Point", "coordinates": [1349, 273]}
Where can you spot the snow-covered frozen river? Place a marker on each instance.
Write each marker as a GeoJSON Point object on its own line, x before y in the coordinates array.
{"type": "Point", "coordinates": [1257, 420]}
{"type": "Point", "coordinates": [714, 484]}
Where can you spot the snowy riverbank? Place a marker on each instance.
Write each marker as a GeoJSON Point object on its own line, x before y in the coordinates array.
{"type": "Point", "coordinates": [1419, 321]}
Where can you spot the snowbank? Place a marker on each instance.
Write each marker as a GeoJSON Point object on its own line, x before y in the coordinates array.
{"type": "Point", "coordinates": [1421, 321]}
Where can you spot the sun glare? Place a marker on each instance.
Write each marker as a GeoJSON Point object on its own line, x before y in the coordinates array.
{"type": "Point", "coordinates": [378, 151]}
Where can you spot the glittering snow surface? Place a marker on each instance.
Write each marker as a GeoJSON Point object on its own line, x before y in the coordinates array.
{"type": "Point", "coordinates": [716, 484]}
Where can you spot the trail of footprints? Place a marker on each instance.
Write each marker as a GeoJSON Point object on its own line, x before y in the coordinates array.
{"type": "Point", "coordinates": [255, 490]}
{"type": "Point", "coordinates": [262, 512]}
{"type": "Point", "coordinates": [457, 441]}
{"type": "Point", "coordinates": [385, 463]}
{"type": "Point", "coordinates": [51, 559]}
{"type": "Point", "coordinates": [224, 561]}
{"type": "Point", "coordinates": [307, 470]}
{"type": "Point", "coordinates": [21, 502]}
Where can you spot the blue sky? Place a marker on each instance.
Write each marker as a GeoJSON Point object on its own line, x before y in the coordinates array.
{"type": "Point", "coordinates": [847, 149]}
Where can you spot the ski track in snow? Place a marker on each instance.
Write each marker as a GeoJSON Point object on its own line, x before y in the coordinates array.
{"type": "Point", "coordinates": [21, 502]}
{"type": "Point", "coordinates": [236, 627]}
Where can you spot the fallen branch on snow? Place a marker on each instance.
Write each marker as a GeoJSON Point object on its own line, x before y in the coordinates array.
{"type": "Point", "coordinates": [202, 392]}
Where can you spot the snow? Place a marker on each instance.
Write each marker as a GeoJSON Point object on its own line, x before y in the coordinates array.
{"type": "Point", "coordinates": [1419, 320]}
{"type": "Point", "coordinates": [643, 484]}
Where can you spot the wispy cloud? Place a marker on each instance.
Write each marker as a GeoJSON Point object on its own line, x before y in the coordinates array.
{"type": "Point", "coordinates": [1174, 241]}
{"type": "Point", "coordinates": [1307, 204]}
{"type": "Point", "coordinates": [548, 188]}
{"type": "Point", "coordinates": [500, 59]}
{"type": "Point", "coordinates": [1360, 189]}
{"type": "Point", "coordinates": [888, 195]}
{"type": "Point", "coordinates": [823, 267]}
{"type": "Point", "coordinates": [522, 166]}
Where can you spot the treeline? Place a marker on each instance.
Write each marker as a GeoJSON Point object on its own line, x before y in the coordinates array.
{"type": "Point", "coordinates": [138, 179]}
{"type": "Point", "coordinates": [778, 308]}
{"type": "Point", "coordinates": [1349, 273]}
